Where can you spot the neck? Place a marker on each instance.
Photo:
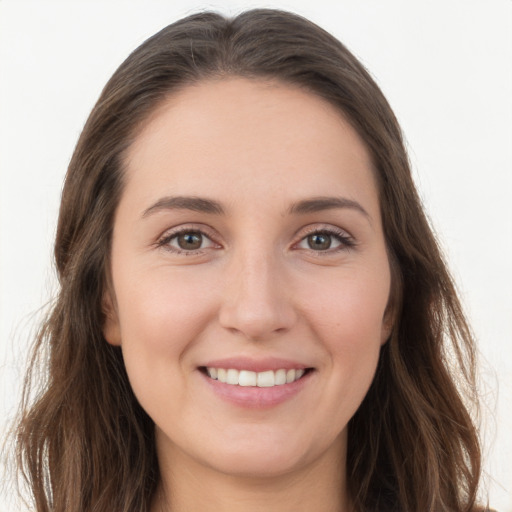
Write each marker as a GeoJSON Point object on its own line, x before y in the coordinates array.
{"type": "Point", "coordinates": [188, 485]}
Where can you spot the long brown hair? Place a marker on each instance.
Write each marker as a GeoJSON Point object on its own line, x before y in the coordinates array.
{"type": "Point", "coordinates": [84, 442]}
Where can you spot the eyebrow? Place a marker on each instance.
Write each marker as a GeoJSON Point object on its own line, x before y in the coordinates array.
{"type": "Point", "coordinates": [318, 204]}
{"type": "Point", "coordinates": [196, 204]}
{"type": "Point", "coordinates": [203, 205]}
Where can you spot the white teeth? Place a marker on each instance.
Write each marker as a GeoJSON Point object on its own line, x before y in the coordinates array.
{"type": "Point", "coordinates": [232, 376]}
{"type": "Point", "coordinates": [280, 377]}
{"type": "Point", "coordinates": [246, 378]}
{"type": "Point", "coordinates": [266, 379]}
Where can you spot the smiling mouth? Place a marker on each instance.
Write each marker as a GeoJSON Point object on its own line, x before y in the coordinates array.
{"type": "Point", "coordinates": [247, 378]}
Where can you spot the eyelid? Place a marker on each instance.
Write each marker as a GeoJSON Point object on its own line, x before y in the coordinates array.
{"type": "Point", "coordinates": [170, 233]}
{"type": "Point", "coordinates": [347, 241]}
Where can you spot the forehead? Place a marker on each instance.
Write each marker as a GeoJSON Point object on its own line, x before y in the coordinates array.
{"type": "Point", "coordinates": [239, 138]}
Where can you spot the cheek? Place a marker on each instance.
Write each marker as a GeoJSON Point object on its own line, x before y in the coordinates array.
{"type": "Point", "coordinates": [160, 311]}
{"type": "Point", "coordinates": [160, 320]}
{"type": "Point", "coordinates": [348, 319]}
{"type": "Point", "coordinates": [350, 306]}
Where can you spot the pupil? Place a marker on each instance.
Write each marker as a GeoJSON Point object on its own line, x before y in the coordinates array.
{"type": "Point", "coordinates": [319, 241]}
{"type": "Point", "coordinates": [190, 241]}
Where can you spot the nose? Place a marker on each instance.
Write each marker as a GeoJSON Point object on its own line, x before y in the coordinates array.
{"type": "Point", "coordinates": [257, 299]}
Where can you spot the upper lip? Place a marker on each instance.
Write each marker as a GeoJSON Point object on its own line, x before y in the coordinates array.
{"type": "Point", "coordinates": [255, 365]}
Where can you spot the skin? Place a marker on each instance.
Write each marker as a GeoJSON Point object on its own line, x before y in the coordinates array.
{"type": "Point", "coordinates": [255, 287]}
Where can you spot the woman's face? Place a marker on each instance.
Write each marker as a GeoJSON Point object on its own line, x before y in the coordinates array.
{"type": "Point", "coordinates": [248, 245]}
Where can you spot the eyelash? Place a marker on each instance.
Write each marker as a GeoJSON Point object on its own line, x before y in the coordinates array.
{"type": "Point", "coordinates": [166, 239]}
{"type": "Point", "coordinates": [345, 240]}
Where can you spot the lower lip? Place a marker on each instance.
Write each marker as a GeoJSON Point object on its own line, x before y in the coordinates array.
{"type": "Point", "coordinates": [254, 397]}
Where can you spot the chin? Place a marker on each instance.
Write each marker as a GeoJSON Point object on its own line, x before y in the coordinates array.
{"type": "Point", "coordinates": [258, 465]}
{"type": "Point", "coordinates": [266, 455]}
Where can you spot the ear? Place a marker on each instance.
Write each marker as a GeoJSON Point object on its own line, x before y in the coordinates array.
{"type": "Point", "coordinates": [387, 327]}
{"type": "Point", "coordinates": [388, 321]}
{"type": "Point", "coordinates": [111, 328]}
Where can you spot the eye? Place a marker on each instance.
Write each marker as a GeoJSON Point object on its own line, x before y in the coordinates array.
{"type": "Point", "coordinates": [186, 241]}
{"type": "Point", "coordinates": [319, 241]}
{"type": "Point", "coordinates": [326, 241]}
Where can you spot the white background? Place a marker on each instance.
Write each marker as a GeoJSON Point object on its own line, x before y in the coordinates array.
{"type": "Point", "coordinates": [446, 68]}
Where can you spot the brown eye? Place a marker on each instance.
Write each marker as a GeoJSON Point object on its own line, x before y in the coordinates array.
{"type": "Point", "coordinates": [319, 241]}
{"type": "Point", "coordinates": [328, 241]}
{"type": "Point", "coordinates": [189, 241]}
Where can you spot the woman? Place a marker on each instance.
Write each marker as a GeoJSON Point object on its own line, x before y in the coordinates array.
{"type": "Point", "coordinates": [253, 312]}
